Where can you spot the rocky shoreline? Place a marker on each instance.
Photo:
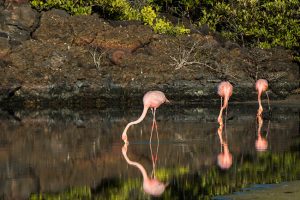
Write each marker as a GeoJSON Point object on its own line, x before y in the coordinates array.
{"type": "Point", "coordinates": [54, 59]}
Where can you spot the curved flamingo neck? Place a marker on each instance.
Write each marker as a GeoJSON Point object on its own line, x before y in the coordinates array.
{"type": "Point", "coordinates": [138, 120]}
{"type": "Point", "coordinates": [225, 104]}
{"type": "Point", "coordinates": [138, 165]}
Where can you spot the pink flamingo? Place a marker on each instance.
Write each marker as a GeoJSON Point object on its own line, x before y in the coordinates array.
{"type": "Point", "coordinates": [261, 86]}
{"type": "Point", "coordinates": [225, 91]}
{"type": "Point", "coordinates": [151, 186]}
{"type": "Point", "coordinates": [152, 99]}
{"type": "Point", "coordinates": [261, 144]}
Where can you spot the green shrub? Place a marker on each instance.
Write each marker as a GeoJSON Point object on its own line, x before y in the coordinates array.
{"type": "Point", "coordinates": [160, 25]}
{"type": "Point", "coordinates": [73, 7]}
{"type": "Point", "coordinates": [261, 23]}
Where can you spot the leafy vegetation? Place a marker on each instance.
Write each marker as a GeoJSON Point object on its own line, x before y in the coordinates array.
{"type": "Point", "coordinates": [262, 23]}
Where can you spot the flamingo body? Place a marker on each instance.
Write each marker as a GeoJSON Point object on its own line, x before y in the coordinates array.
{"type": "Point", "coordinates": [225, 89]}
{"type": "Point", "coordinates": [153, 99]}
{"type": "Point", "coordinates": [261, 85]}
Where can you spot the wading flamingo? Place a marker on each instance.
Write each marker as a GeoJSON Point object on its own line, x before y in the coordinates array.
{"type": "Point", "coordinates": [261, 86]}
{"type": "Point", "coordinates": [152, 99]}
{"type": "Point", "coordinates": [151, 186]}
{"type": "Point", "coordinates": [225, 91]}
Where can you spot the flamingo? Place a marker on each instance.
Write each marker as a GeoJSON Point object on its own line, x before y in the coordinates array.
{"type": "Point", "coordinates": [152, 99]}
{"type": "Point", "coordinates": [261, 86]}
{"type": "Point", "coordinates": [225, 91]}
{"type": "Point", "coordinates": [151, 186]}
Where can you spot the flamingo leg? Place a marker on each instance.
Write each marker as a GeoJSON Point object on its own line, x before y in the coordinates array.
{"type": "Point", "coordinates": [220, 120]}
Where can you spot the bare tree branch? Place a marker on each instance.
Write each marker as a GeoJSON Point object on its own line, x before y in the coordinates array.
{"type": "Point", "coordinates": [97, 56]}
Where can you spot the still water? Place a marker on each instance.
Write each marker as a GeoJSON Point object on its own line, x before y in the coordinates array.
{"type": "Point", "coordinates": [79, 154]}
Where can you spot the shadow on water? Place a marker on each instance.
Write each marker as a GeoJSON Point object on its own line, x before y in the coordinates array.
{"type": "Point", "coordinates": [67, 154]}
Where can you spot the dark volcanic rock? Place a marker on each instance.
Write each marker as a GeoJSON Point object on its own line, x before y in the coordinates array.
{"type": "Point", "coordinates": [17, 22]}
{"type": "Point", "coordinates": [77, 59]}
{"type": "Point", "coordinates": [4, 47]}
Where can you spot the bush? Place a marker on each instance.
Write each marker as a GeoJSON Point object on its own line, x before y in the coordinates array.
{"type": "Point", "coordinates": [261, 23]}
{"type": "Point", "coordinates": [160, 25]}
{"type": "Point", "coordinates": [73, 7]}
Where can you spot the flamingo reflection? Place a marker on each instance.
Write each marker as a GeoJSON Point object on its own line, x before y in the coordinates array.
{"type": "Point", "coordinates": [261, 143]}
{"type": "Point", "coordinates": [224, 157]}
{"type": "Point", "coordinates": [151, 185]}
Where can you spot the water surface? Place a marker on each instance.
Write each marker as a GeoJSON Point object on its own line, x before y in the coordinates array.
{"type": "Point", "coordinates": [78, 153]}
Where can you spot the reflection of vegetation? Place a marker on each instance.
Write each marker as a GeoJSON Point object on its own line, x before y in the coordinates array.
{"type": "Point", "coordinates": [265, 168]}
{"type": "Point", "coordinates": [164, 174]}
{"type": "Point", "coordinates": [72, 194]}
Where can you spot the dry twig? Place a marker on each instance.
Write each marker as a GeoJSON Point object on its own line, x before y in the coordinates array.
{"type": "Point", "coordinates": [97, 56]}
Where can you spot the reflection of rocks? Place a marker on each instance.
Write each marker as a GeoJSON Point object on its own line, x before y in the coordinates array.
{"type": "Point", "coordinates": [20, 188]}
{"type": "Point", "coordinates": [49, 64]}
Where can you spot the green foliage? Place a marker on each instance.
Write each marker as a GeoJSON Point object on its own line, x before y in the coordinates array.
{"type": "Point", "coordinates": [80, 7]}
{"type": "Point", "coordinates": [262, 23]}
{"type": "Point", "coordinates": [118, 9]}
{"type": "Point", "coordinates": [160, 25]}
{"type": "Point", "coordinates": [148, 15]}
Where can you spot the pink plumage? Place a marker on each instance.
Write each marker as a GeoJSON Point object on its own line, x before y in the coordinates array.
{"type": "Point", "coordinates": [154, 99]}
{"type": "Point", "coordinates": [261, 85]}
{"type": "Point", "coordinates": [225, 89]}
